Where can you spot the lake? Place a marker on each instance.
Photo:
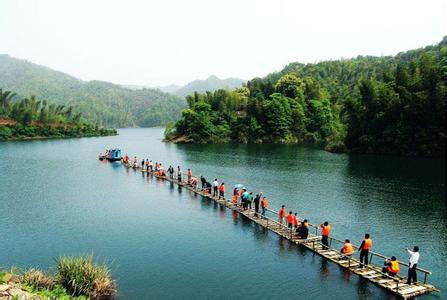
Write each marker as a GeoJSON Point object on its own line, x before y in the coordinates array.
{"type": "Point", "coordinates": [165, 242]}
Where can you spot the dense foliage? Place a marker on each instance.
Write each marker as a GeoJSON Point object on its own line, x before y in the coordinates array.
{"type": "Point", "coordinates": [31, 118]}
{"type": "Point", "coordinates": [99, 102]}
{"type": "Point", "coordinates": [366, 104]}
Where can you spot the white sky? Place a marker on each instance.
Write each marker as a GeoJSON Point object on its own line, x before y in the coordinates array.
{"type": "Point", "coordinates": [174, 41]}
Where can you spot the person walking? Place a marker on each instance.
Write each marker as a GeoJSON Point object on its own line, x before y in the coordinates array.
{"type": "Point", "coordinates": [215, 187]}
{"type": "Point", "coordinates": [325, 230]}
{"type": "Point", "coordinates": [222, 191]}
{"type": "Point", "coordinates": [256, 201]}
{"type": "Point", "coordinates": [281, 214]}
{"type": "Point", "coordinates": [365, 246]}
{"type": "Point", "coordinates": [264, 205]}
{"type": "Point", "coordinates": [413, 263]}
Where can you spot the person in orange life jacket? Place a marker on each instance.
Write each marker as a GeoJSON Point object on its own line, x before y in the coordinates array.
{"type": "Point", "coordinates": [222, 190]}
{"type": "Point", "coordinates": [215, 187]}
{"type": "Point", "coordinates": [295, 220]}
{"type": "Point", "coordinates": [290, 219]}
{"type": "Point", "coordinates": [189, 175]}
{"type": "Point", "coordinates": [325, 230]}
{"type": "Point", "coordinates": [391, 267]}
{"type": "Point", "coordinates": [264, 205]}
{"type": "Point", "coordinates": [235, 196]}
{"type": "Point", "coordinates": [365, 246]}
{"type": "Point", "coordinates": [302, 231]}
{"type": "Point", "coordinates": [281, 214]}
{"type": "Point", "coordinates": [347, 249]}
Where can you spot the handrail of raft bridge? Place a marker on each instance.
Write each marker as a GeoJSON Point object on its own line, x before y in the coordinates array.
{"type": "Point", "coordinates": [372, 253]}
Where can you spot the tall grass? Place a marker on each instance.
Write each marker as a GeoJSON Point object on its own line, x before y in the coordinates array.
{"type": "Point", "coordinates": [82, 276]}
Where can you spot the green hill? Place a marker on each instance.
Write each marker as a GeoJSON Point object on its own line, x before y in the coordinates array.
{"type": "Point", "coordinates": [99, 102]}
{"type": "Point", "coordinates": [393, 105]}
{"type": "Point", "coordinates": [210, 84]}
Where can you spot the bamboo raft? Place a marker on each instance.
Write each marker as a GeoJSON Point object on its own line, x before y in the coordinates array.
{"type": "Point", "coordinates": [373, 272]}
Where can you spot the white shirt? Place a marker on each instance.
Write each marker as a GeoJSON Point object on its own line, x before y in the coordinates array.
{"type": "Point", "coordinates": [414, 258]}
{"type": "Point", "coordinates": [215, 183]}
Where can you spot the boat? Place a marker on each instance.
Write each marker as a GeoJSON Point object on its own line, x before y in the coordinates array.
{"type": "Point", "coordinates": [114, 155]}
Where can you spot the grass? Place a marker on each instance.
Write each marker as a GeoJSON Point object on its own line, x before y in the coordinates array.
{"type": "Point", "coordinates": [82, 276]}
{"type": "Point", "coordinates": [76, 277]}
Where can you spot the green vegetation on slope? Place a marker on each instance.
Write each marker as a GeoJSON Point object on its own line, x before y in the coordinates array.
{"type": "Point", "coordinates": [99, 102]}
{"type": "Point", "coordinates": [366, 104]}
{"type": "Point", "coordinates": [31, 118]}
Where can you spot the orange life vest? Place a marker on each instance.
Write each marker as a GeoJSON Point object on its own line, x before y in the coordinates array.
{"type": "Point", "coordinates": [222, 188]}
{"type": "Point", "coordinates": [394, 267]}
{"type": "Point", "coordinates": [282, 213]}
{"type": "Point", "coordinates": [347, 248]}
{"type": "Point", "coordinates": [189, 173]}
{"type": "Point", "coordinates": [295, 220]}
{"type": "Point", "coordinates": [290, 219]}
{"type": "Point", "coordinates": [367, 245]}
{"type": "Point", "coordinates": [264, 203]}
{"type": "Point", "coordinates": [326, 230]}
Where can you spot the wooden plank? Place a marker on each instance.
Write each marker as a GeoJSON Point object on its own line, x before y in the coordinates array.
{"type": "Point", "coordinates": [372, 273]}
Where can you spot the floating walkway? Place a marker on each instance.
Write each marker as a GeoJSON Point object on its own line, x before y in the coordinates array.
{"type": "Point", "coordinates": [373, 272]}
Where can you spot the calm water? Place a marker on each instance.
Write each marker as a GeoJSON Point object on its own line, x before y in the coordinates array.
{"type": "Point", "coordinates": [164, 242]}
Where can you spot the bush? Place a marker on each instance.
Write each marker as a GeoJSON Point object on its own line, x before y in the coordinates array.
{"type": "Point", "coordinates": [38, 279]}
{"type": "Point", "coordinates": [5, 132]}
{"type": "Point", "coordinates": [82, 276]}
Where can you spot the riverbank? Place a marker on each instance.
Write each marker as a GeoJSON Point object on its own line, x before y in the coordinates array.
{"type": "Point", "coordinates": [14, 132]}
{"type": "Point", "coordinates": [75, 277]}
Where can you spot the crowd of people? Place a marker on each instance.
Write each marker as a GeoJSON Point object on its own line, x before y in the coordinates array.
{"type": "Point", "coordinates": [246, 201]}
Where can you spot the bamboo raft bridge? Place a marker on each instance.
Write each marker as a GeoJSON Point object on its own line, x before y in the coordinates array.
{"type": "Point", "coordinates": [372, 272]}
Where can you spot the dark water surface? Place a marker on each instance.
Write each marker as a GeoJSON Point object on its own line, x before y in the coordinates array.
{"type": "Point", "coordinates": [163, 242]}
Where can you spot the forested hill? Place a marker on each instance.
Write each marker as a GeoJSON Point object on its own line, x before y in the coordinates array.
{"type": "Point", "coordinates": [211, 84]}
{"type": "Point", "coordinates": [99, 102]}
{"type": "Point", "coordinates": [392, 104]}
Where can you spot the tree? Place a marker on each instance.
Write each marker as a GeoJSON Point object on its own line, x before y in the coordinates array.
{"type": "Point", "coordinates": [290, 86]}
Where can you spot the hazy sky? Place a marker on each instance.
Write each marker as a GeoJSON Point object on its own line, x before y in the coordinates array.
{"type": "Point", "coordinates": [176, 41]}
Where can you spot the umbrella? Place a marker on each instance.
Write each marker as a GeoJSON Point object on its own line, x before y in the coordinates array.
{"type": "Point", "coordinates": [238, 186]}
